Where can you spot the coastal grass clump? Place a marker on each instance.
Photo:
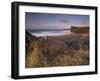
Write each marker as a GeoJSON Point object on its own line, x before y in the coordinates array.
{"type": "Point", "coordinates": [72, 50]}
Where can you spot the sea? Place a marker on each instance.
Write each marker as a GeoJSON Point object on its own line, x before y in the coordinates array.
{"type": "Point", "coordinates": [49, 32]}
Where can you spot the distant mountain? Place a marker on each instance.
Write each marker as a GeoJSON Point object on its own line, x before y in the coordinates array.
{"type": "Point", "coordinates": [80, 29]}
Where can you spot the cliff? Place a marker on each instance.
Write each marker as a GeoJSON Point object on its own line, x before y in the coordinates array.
{"type": "Point", "coordinates": [80, 29]}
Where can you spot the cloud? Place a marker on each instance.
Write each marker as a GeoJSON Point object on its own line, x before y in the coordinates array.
{"type": "Point", "coordinates": [64, 21]}
{"type": "Point", "coordinates": [83, 23]}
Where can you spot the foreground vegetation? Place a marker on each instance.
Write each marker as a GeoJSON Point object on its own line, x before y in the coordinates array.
{"type": "Point", "coordinates": [70, 50]}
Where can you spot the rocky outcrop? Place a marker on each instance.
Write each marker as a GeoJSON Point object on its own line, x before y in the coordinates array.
{"type": "Point", "coordinates": [80, 29]}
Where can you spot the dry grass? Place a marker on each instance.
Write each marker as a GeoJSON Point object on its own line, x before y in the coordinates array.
{"type": "Point", "coordinates": [72, 50]}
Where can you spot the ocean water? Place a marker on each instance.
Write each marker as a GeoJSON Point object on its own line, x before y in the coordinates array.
{"type": "Point", "coordinates": [51, 33]}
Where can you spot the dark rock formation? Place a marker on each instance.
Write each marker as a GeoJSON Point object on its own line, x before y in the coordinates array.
{"type": "Point", "coordinates": [80, 29]}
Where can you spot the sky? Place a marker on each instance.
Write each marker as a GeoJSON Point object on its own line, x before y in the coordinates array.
{"type": "Point", "coordinates": [54, 21]}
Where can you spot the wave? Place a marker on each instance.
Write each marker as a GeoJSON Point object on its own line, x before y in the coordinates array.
{"type": "Point", "coordinates": [51, 33]}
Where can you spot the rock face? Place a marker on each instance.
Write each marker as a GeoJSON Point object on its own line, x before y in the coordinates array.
{"type": "Point", "coordinates": [69, 50]}
{"type": "Point", "coordinates": [80, 29]}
